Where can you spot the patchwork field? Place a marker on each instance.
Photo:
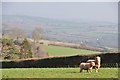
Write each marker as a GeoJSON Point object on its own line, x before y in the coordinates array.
{"type": "Point", "coordinates": [57, 73]}
{"type": "Point", "coordinates": [65, 51]}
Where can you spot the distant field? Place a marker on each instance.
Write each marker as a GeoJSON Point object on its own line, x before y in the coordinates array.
{"type": "Point", "coordinates": [64, 51]}
{"type": "Point", "coordinates": [57, 73]}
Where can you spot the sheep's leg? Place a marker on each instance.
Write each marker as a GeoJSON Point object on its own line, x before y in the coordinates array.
{"type": "Point", "coordinates": [96, 70]}
{"type": "Point", "coordinates": [87, 70]}
{"type": "Point", "coordinates": [80, 70]}
{"type": "Point", "coordinates": [90, 70]}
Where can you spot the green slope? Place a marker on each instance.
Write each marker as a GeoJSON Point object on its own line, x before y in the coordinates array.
{"type": "Point", "coordinates": [65, 51]}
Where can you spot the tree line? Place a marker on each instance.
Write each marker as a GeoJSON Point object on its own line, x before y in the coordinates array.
{"type": "Point", "coordinates": [15, 44]}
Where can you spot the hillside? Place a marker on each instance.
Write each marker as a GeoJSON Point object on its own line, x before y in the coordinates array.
{"type": "Point", "coordinates": [58, 51]}
{"type": "Point", "coordinates": [98, 34]}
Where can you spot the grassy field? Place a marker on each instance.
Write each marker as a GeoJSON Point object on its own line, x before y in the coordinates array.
{"type": "Point", "coordinates": [64, 51]}
{"type": "Point", "coordinates": [57, 73]}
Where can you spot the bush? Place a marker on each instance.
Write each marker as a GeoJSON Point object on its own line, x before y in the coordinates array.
{"type": "Point", "coordinates": [72, 61]}
{"type": "Point", "coordinates": [9, 49]}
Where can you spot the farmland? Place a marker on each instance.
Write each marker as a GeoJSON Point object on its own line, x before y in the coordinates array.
{"type": "Point", "coordinates": [57, 73]}
{"type": "Point", "coordinates": [64, 51]}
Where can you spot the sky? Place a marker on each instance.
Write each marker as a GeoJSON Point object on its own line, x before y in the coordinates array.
{"type": "Point", "coordinates": [79, 11]}
{"type": "Point", "coordinates": [59, 0]}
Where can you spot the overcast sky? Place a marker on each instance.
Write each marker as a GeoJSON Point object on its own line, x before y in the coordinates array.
{"type": "Point", "coordinates": [85, 11]}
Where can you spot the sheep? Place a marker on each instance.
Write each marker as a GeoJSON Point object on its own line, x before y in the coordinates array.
{"type": "Point", "coordinates": [97, 63]}
{"type": "Point", "coordinates": [90, 60]}
{"type": "Point", "coordinates": [87, 66]}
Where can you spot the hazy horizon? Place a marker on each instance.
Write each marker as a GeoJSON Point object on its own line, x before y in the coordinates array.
{"type": "Point", "coordinates": [81, 11]}
{"type": "Point", "coordinates": [91, 12]}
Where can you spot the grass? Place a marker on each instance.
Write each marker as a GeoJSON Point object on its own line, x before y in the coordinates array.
{"type": "Point", "coordinates": [57, 73]}
{"type": "Point", "coordinates": [64, 51]}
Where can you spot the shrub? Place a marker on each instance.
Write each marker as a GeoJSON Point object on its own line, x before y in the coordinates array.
{"type": "Point", "coordinates": [9, 49]}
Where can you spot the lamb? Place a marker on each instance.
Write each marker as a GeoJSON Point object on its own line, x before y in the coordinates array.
{"type": "Point", "coordinates": [87, 66]}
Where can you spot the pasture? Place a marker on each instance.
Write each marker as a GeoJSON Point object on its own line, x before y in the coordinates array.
{"type": "Point", "coordinates": [65, 51]}
{"type": "Point", "coordinates": [57, 73]}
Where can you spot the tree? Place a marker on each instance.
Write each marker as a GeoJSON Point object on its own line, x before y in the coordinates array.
{"type": "Point", "coordinates": [26, 49]}
{"type": "Point", "coordinates": [39, 50]}
{"type": "Point", "coordinates": [37, 34]}
{"type": "Point", "coordinates": [17, 33]}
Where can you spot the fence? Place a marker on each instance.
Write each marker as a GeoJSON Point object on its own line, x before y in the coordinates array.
{"type": "Point", "coordinates": [104, 65]}
{"type": "Point", "coordinates": [30, 65]}
{"type": "Point", "coordinates": [115, 65]}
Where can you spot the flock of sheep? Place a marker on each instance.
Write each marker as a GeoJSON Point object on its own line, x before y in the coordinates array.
{"type": "Point", "coordinates": [90, 64]}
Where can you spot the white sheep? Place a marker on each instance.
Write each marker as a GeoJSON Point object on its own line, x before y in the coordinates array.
{"type": "Point", "coordinates": [87, 66]}
{"type": "Point", "coordinates": [97, 63]}
{"type": "Point", "coordinates": [90, 60]}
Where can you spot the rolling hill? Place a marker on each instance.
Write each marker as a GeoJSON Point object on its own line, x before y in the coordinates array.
{"type": "Point", "coordinates": [98, 34]}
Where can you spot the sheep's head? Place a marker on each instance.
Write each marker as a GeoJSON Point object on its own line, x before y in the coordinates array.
{"type": "Point", "coordinates": [97, 58]}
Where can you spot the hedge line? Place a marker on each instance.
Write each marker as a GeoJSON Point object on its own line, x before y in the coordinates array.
{"type": "Point", "coordinates": [71, 61]}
